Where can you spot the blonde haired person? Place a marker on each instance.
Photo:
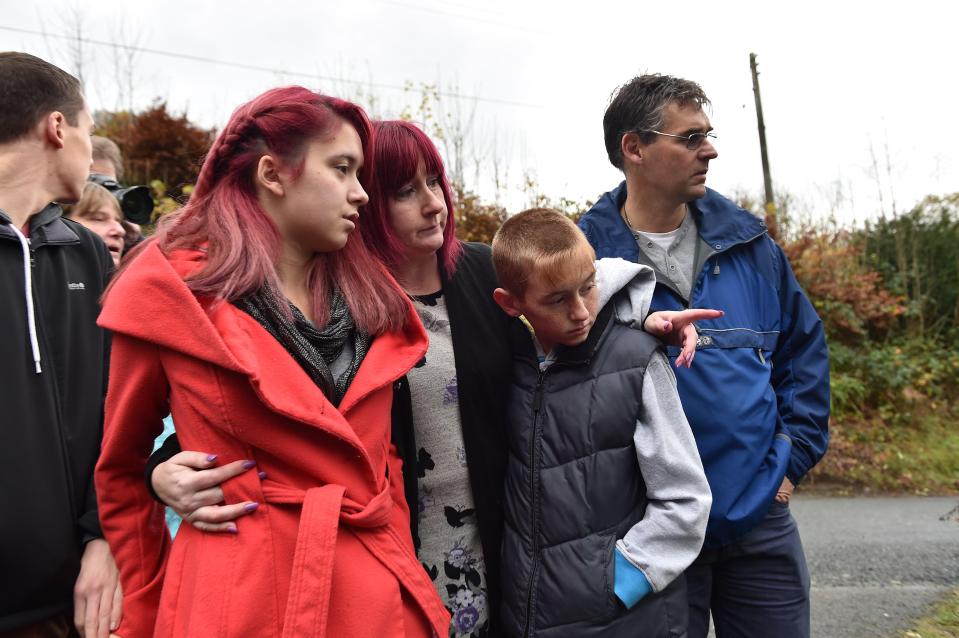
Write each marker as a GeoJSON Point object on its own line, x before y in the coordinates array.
{"type": "Point", "coordinates": [100, 211]}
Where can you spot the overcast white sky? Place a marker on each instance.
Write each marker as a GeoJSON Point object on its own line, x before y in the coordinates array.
{"type": "Point", "coordinates": [836, 78]}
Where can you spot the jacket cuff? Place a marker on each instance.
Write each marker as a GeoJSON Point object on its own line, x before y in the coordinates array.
{"type": "Point", "coordinates": [88, 535]}
{"type": "Point", "coordinates": [88, 525]}
{"type": "Point", "coordinates": [630, 583]}
{"type": "Point", "coordinates": [798, 466]}
{"type": "Point", "coordinates": [169, 449]}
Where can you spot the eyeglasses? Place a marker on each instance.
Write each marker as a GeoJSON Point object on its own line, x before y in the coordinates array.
{"type": "Point", "coordinates": [693, 141]}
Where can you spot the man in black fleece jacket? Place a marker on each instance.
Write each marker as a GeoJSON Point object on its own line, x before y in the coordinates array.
{"type": "Point", "coordinates": [57, 576]}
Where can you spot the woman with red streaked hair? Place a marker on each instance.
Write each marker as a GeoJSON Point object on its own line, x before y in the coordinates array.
{"type": "Point", "coordinates": [448, 413]}
{"type": "Point", "coordinates": [274, 338]}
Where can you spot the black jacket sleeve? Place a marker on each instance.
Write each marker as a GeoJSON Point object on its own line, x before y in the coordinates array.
{"type": "Point", "coordinates": [169, 449]}
{"type": "Point", "coordinates": [89, 519]}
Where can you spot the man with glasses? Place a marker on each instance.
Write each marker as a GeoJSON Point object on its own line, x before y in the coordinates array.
{"type": "Point", "coordinates": [757, 397]}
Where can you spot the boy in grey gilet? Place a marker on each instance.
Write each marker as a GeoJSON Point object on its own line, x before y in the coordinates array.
{"type": "Point", "coordinates": [606, 501]}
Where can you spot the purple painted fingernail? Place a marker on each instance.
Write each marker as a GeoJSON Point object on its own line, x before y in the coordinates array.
{"type": "Point", "coordinates": [250, 507]}
{"type": "Point", "coordinates": [262, 475]}
{"type": "Point", "coordinates": [210, 458]}
{"type": "Point", "coordinates": [232, 529]}
{"type": "Point", "coordinates": [249, 464]}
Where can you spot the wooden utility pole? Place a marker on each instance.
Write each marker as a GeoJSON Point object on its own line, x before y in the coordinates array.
{"type": "Point", "coordinates": [767, 178]}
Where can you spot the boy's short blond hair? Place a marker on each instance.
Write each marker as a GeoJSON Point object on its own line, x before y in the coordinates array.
{"type": "Point", "coordinates": [538, 241]}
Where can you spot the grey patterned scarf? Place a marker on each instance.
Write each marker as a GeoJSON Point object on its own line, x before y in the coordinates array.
{"type": "Point", "coordinates": [314, 349]}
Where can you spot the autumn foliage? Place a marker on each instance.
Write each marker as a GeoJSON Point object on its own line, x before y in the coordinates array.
{"type": "Point", "coordinates": [157, 145]}
{"type": "Point", "coordinates": [888, 294]}
{"type": "Point", "coordinates": [850, 297]}
{"type": "Point", "coordinates": [476, 221]}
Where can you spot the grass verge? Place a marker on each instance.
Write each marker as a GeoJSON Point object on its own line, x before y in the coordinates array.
{"type": "Point", "coordinates": [916, 456]}
{"type": "Point", "coordinates": [942, 621]}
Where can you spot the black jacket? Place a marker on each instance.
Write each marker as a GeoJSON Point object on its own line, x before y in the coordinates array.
{"type": "Point", "coordinates": [480, 331]}
{"type": "Point", "coordinates": [52, 422]}
{"type": "Point", "coordinates": [573, 487]}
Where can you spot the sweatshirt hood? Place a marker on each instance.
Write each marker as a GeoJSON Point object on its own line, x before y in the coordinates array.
{"type": "Point", "coordinates": [628, 287]}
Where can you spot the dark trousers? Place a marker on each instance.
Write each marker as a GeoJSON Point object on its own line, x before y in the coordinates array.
{"type": "Point", "coordinates": [757, 586]}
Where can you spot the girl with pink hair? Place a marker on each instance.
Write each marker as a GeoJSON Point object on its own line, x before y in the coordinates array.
{"type": "Point", "coordinates": [274, 337]}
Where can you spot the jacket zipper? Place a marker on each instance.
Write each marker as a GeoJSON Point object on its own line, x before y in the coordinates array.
{"type": "Point", "coordinates": [51, 377]}
{"type": "Point", "coordinates": [704, 269]}
{"type": "Point", "coordinates": [534, 532]}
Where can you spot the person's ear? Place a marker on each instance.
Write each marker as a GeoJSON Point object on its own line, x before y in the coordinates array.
{"type": "Point", "coordinates": [52, 129]}
{"type": "Point", "coordinates": [268, 176]}
{"type": "Point", "coordinates": [507, 301]}
{"type": "Point", "coordinates": [632, 148]}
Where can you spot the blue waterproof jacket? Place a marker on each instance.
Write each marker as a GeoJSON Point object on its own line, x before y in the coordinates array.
{"type": "Point", "coordinates": [757, 397]}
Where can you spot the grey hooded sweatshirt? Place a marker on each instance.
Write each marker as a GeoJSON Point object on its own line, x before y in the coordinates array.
{"type": "Point", "coordinates": [605, 492]}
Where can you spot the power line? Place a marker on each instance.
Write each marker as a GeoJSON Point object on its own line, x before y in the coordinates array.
{"type": "Point", "coordinates": [461, 16]}
{"type": "Point", "coordinates": [256, 67]}
{"type": "Point", "coordinates": [490, 13]}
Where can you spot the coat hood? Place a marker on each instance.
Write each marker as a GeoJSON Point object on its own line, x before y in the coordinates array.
{"type": "Point", "coordinates": [151, 302]}
{"type": "Point", "coordinates": [636, 282]}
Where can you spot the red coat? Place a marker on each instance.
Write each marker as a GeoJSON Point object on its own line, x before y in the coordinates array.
{"type": "Point", "coordinates": [328, 552]}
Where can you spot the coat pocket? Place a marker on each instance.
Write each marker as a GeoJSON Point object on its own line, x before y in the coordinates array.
{"type": "Point", "coordinates": [576, 581]}
{"type": "Point", "coordinates": [762, 340]}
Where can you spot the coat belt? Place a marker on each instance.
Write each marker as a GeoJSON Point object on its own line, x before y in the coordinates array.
{"type": "Point", "coordinates": [308, 602]}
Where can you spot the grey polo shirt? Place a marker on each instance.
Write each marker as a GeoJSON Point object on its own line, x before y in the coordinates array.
{"type": "Point", "coordinates": [677, 260]}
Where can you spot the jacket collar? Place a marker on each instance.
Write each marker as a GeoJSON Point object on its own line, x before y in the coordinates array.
{"type": "Point", "coordinates": [582, 353]}
{"type": "Point", "coordinates": [286, 389]}
{"type": "Point", "coordinates": [721, 223]}
{"type": "Point", "coordinates": [46, 227]}
{"type": "Point", "coordinates": [523, 347]}
{"type": "Point", "coordinates": [149, 301]}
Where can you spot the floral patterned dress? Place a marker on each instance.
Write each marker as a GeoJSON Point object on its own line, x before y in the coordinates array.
{"type": "Point", "coordinates": [450, 547]}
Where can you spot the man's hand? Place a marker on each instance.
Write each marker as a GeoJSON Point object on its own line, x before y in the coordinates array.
{"type": "Point", "coordinates": [97, 595]}
{"type": "Point", "coordinates": [676, 328]}
{"type": "Point", "coordinates": [785, 491]}
{"type": "Point", "coordinates": [190, 484]}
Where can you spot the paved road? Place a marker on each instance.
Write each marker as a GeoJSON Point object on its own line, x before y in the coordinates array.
{"type": "Point", "coordinates": [876, 562]}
